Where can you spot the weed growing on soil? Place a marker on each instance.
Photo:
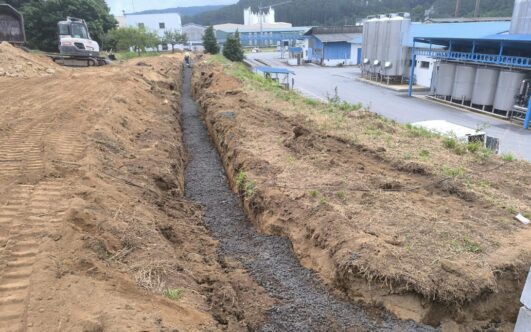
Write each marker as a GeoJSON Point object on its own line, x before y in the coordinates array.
{"type": "Point", "coordinates": [311, 102]}
{"type": "Point", "coordinates": [341, 195]}
{"type": "Point", "coordinates": [419, 131]}
{"type": "Point", "coordinates": [424, 154]}
{"type": "Point", "coordinates": [173, 294]}
{"type": "Point", "coordinates": [508, 157]}
{"type": "Point", "coordinates": [453, 171]}
{"type": "Point", "coordinates": [313, 193]}
{"type": "Point", "coordinates": [244, 184]}
{"type": "Point", "coordinates": [467, 245]}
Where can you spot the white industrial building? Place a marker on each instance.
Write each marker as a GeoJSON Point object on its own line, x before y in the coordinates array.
{"type": "Point", "coordinates": [158, 23]}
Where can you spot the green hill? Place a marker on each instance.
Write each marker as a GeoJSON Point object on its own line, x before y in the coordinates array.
{"type": "Point", "coordinates": [331, 12]}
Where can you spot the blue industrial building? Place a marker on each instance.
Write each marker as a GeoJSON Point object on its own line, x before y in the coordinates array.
{"type": "Point", "coordinates": [334, 46]}
{"type": "Point", "coordinates": [490, 72]}
{"type": "Point", "coordinates": [261, 36]}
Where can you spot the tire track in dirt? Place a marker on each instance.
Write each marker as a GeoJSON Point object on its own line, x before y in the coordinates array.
{"type": "Point", "coordinates": [304, 303]}
{"type": "Point", "coordinates": [25, 222]}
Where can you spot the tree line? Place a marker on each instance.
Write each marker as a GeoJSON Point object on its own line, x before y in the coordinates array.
{"type": "Point", "coordinates": [346, 12]}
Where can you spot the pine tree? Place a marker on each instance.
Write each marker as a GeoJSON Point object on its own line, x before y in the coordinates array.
{"type": "Point", "coordinates": [210, 42]}
{"type": "Point", "coordinates": [233, 48]}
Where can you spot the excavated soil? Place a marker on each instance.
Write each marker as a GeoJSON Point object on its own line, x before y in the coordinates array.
{"type": "Point", "coordinates": [302, 303]}
{"type": "Point", "coordinates": [384, 231]}
{"type": "Point", "coordinates": [17, 63]}
{"type": "Point", "coordinates": [95, 231]}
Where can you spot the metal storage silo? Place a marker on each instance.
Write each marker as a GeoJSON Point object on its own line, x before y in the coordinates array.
{"type": "Point", "coordinates": [445, 78]}
{"type": "Point", "coordinates": [377, 43]}
{"type": "Point", "coordinates": [372, 30]}
{"type": "Point", "coordinates": [507, 89]}
{"type": "Point", "coordinates": [521, 21]}
{"type": "Point", "coordinates": [485, 85]}
{"type": "Point", "coordinates": [383, 39]}
{"type": "Point", "coordinates": [365, 42]}
{"type": "Point", "coordinates": [464, 83]}
{"type": "Point", "coordinates": [397, 52]}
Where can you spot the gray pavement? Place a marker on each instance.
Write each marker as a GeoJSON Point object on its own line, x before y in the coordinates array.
{"type": "Point", "coordinates": [319, 82]}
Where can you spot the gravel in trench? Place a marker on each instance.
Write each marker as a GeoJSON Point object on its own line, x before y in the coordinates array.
{"type": "Point", "coordinates": [304, 303]}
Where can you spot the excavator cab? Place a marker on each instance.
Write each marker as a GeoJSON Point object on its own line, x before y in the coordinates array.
{"type": "Point", "coordinates": [74, 38]}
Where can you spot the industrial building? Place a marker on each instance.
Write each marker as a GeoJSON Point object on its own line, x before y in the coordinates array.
{"type": "Point", "coordinates": [333, 46]}
{"type": "Point", "coordinates": [479, 65]}
{"type": "Point", "coordinates": [194, 34]}
{"type": "Point", "coordinates": [491, 74]}
{"type": "Point", "coordinates": [158, 23]}
{"type": "Point", "coordinates": [261, 35]}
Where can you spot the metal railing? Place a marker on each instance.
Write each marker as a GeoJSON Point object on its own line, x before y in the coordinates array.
{"type": "Point", "coordinates": [502, 60]}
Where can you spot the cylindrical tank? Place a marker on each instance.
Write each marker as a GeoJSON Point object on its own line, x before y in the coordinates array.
{"type": "Point", "coordinates": [521, 21]}
{"type": "Point", "coordinates": [383, 39]}
{"type": "Point", "coordinates": [396, 51]}
{"type": "Point", "coordinates": [507, 89]}
{"type": "Point", "coordinates": [485, 85]}
{"type": "Point", "coordinates": [445, 77]}
{"type": "Point", "coordinates": [464, 83]}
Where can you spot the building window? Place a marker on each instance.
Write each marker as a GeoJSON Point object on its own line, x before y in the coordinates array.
{"type": "Point", "coordinates": [424, 64]}
{"type": "Point", "coordinates": [141, 25]}
{"type": "Point", "coordinates": [162, 25]}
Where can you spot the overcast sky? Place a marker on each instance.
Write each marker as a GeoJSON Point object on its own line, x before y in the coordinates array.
{"type": "Point", "coordinates": [117, 6]}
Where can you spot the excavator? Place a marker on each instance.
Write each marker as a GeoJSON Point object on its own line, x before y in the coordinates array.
{"type": "Point", "coordinates": [76, 48]}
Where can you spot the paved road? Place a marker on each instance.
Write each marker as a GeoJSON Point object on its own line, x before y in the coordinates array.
{"type": "Point", "coordinates": [319, 82]}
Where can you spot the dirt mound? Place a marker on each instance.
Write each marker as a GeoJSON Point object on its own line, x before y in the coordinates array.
{"type": "Point", "coordinates": [15, 62]}
{"type": "Point", "coordinates": [425, 243]}
{"type": "Point", "coordinates": [95, 232]}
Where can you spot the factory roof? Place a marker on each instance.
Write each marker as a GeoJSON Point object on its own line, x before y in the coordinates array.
{"type": "Point", "coordinates": [266, 27]}
{"type": "Point", "coordinates": [337, 37]}
{"type": "Point", "coordinates": [471, 30]}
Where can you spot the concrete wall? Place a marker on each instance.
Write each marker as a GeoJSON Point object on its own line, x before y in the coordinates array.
{"type": "Point", "coordinates": [194, 33]}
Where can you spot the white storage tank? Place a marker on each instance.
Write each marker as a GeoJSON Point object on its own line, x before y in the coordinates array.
{"type": "Point", "coordinates": [464, 83]}
{"type": "Point", "coordinates": [485, 85]}
{"type": "Point", "coordinates": [507, 89]}
{"type": "Point", "coordinates": [395, 62]}
{"type": "Point", "coordinates": [521, 21]}
{"type": "Point", "coordinates": [445, 77]}
{"type": "Point", "coordinates": [383, 39]}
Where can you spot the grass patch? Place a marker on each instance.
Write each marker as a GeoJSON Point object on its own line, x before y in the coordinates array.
{"type": "Point", "coordinates": [341, 195]}
{"type": "Point", "coordinates": [313, 193]}
{"type": "Point", "coordinates": [424, 154]}
{"type": "Point", "coordinates": [419, 131]}
{"type": "Point", "coordinates": [466, 244]}
{"type": "Point", "coordinates": [508, 157]}
{"type": "Point", "coordinates": [453, 172]}
{"type": "Point", "coordinates": [244, 184]}
{"type": "Point", "coordinates": [131, 55]}
{"type": "Point", "coordinates": [173, 293]}
{"type": "Point", "coordinates": [311, 102]}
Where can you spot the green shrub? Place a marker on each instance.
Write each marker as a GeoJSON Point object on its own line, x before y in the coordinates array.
{"type": "Point", "coordinates": [173, 294]}
{"type": "Point", "coordinates": [508, 157]}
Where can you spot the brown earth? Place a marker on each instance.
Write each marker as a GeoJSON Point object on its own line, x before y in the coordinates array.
{"type": "Point", "coordinates": [15, 62]}
{"type": "Point", "coordinates": [94, 228]}
{"type": "Point", "coordinates": [431, 240]}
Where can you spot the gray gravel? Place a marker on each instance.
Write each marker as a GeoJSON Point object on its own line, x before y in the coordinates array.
{"type": "Point", "coordinates": [304, 303]}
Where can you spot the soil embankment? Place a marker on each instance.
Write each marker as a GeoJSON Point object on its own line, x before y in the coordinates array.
{"type": "Point", "coordinates": [95, 231]}
{"type": "Point", "coordinates": [303, 304]}
{"type": "Point", "coordinates": [381, 229]}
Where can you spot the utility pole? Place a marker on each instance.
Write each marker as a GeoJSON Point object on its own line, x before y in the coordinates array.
{"type": "Point", "coordinates": [457, 8]}
{"type": "Point", "coordinates": [476, 10]}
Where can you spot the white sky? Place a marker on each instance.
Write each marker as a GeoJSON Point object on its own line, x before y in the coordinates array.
{"type": "Point", "coordinates": [117, 6]}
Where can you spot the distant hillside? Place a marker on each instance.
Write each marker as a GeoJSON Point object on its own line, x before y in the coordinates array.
{"type": "Point", "coordinates": [184, 11]}
{"type": "Point", "coordinates": [331, 12]}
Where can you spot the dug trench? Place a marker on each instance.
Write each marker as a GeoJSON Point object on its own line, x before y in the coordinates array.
{"type": "Point", "coordinates": [303, 303]}
{"type": "Point", "coordinates": [347, 213]}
